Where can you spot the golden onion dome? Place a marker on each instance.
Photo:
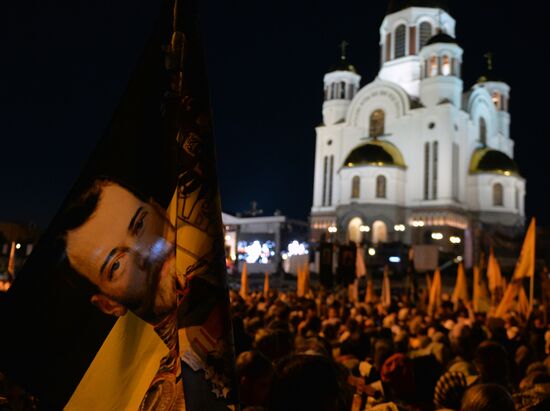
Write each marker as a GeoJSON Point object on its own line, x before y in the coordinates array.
{"type": "Point", "coordinates": [487, 160]}
{"type": "Point", "coordinates": [375, 153]}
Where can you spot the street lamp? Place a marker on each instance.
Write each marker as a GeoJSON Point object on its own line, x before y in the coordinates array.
{"type": "Point", "coordinates": [332, 229]}
{"type": "Point", "coordinates": [454, 239]}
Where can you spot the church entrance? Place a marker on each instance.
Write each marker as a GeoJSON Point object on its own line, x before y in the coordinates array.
{"type": "Point", "coordinates": [354, 232]}
{"type": "Point", "coordinates": [379, 232]}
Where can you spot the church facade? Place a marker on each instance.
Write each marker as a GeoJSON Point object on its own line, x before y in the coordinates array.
{"type": "Point", "coordinates": [413, 156]}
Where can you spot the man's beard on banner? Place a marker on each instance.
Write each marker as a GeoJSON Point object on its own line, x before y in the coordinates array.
{"type": "Point", "coordinates": [157, 297]}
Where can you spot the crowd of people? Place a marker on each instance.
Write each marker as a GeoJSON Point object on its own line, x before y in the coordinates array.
{"type": "Point", "coordinates": [330, 351]}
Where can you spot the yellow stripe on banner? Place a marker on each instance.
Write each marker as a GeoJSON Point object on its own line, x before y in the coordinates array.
{"type": "Point", "coordinates": [122, 370]}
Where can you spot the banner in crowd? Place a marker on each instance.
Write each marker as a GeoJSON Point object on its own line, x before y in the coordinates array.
{"type": "Point", "coordinates": [123, 303]}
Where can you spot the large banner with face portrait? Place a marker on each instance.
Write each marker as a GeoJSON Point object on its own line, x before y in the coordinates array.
{"type": "Point", "coordinates": [123, 303]}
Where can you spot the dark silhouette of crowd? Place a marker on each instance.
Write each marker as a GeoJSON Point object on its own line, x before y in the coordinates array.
{"type": "Point", "coordinates": [324, 352]}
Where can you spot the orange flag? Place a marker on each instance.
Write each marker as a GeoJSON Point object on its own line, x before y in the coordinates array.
{"type": "Point", "coordinates": [11, 261]}
{"type": "Point", "coordinates": [525, 267]}
{"type": "Point", "coordinates": [244, 282]}
{"type": "Point", "coordinates": [353, 291]}
{"type": "Point", "coordinates": [300, 274]}
{"type": "Point", "coordinates": [266, 284]}
{"type": "Point", "coordinates": [523, 307]}
{"type": "Point", "coordinates": [369, 292]}
{"type": "Point", "coordinates": [385, 298]}
{"type": "Point", "coordinates": [508, 300]}
{"type": "Point", "coordinates": [306, 278]}
{"type": "Point", "coordinates": [461, 287]}
{"type": "Point", "coordinates": [360, 268]}
{"type": "Point", "coordinates": [494, 274]}
{"type": "Point", "coordinates": [435, 294]}
{"type": "Point", "coordinates": [481, 295]}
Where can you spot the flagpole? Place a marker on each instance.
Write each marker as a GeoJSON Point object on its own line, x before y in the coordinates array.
{"type": "Point", "coordinates": [531, 292]}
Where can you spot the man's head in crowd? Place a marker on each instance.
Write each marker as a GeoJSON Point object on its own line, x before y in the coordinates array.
{"type": "Point", "coordinates": [255, 374]}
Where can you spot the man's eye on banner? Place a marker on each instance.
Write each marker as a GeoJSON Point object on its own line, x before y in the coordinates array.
{"type": "Point", "coordinates": [126, 290]}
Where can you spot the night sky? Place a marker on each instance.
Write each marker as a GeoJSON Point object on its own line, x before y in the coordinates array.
{"type": "Point", "coordinates": [65, 65]}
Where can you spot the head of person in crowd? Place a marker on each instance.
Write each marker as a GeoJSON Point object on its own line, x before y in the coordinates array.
{"type": "Point", "coordinates": [487, 397]}
{"type": "Point", "coordinates": [491, 361]}
{"type": "Point", "coordinates": [255, 373]}
{"type": "Point", "coordinates": [274, 344]}
{"type": "Point", "coordinates": [398, 377]}
{"type": "Point", "coordinates": [449, 390]}
{"type": "Point", "coordinates": [306, 382]}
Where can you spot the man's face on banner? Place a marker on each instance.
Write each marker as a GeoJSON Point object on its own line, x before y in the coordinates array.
{"type": "Point", "coordinates": [126, 248]}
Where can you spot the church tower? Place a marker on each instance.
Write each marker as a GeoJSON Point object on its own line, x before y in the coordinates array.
{"type": "Point", "coordinates": [341, 85]}
{"type": "Point", "coordinates": [441, 59]}
{"type": "Point", "coordinates": [404, 31]}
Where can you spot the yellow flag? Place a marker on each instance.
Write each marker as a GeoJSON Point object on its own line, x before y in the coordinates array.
{"type": "Point", "coordinates": [244, 282]}
{"type": "Point", "coordinates": [369, 292]}
{"type": "Point", "coordinates": [525, 266]}
{"type": "Point", "coordinates": [385, 298]}
{"type": "Point", "coordinates": [435, 294]}
{"type": "Point", "coordinates": [11, 261]}
{"type": "Point", "coordinates": [461, 287]}
{"type": "Point", "coordinates": [481, 295]}
{"type": "Point", "coordinates": [494, 274]}
{"type": "Point", "coordinates": [299, 282]}
{"type": "Point", "coordinates": [508, 300]}
{"type": "Point", "coordinates": [428, 282]}
{"type": "Point", "coordinates": [353, 291]}
{"type": "Point", "coordinates": [523, 307]}
{"type": "Point", "coordinates": [360, 268]}
{"type": "Point", "coordinates": [266, 284]}
{"type": "Point", "coordinates": [306, 278]}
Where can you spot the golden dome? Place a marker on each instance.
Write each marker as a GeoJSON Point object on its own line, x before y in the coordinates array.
{"type": "Point", "coordinates": [375, 153]}
{"type": "Point", "coordinates": [487, 160]}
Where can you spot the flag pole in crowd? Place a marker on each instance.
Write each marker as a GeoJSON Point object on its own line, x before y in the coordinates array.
{"type": "Point", "coordinates": [244, 282]}
{"type": "Point", "coordinates": [385, 297]}
{"type": "Point", "coordinates": [266, 284]}
{"type": "Point", "coordinates": [11, 261]}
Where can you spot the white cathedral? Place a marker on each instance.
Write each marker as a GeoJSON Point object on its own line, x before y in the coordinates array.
{"type": "Point", "coordinates": [412, 156]}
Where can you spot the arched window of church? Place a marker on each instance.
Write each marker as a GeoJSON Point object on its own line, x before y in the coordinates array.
{"type": "Point", "coordinates": [433, 66]}
{"type": "Point", "coordinates": [354, 230]}
{"type": "Point", "coordinates": [379, 232]}
{"type": "Point", "coordinates": [355, 187]}
{"type": "Point", "coordinates": [496, 99]}
{"type": "Point", "coordinates": [482, 131]}
{"type": "Point", "coordinates": [425, 33]}
{"type": "Point", "coordinates": [446, 66]}
{"type": "Point", "coordinates": [376, 123]}
{"type": "Point", "coordinates": [399, 45]}
{"type": "Point", "coordinates": [342, 90]}
{"type": "Point", "coordinates": [498, 198]}
{"type": "Point", "coordinates": [380, 187]}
